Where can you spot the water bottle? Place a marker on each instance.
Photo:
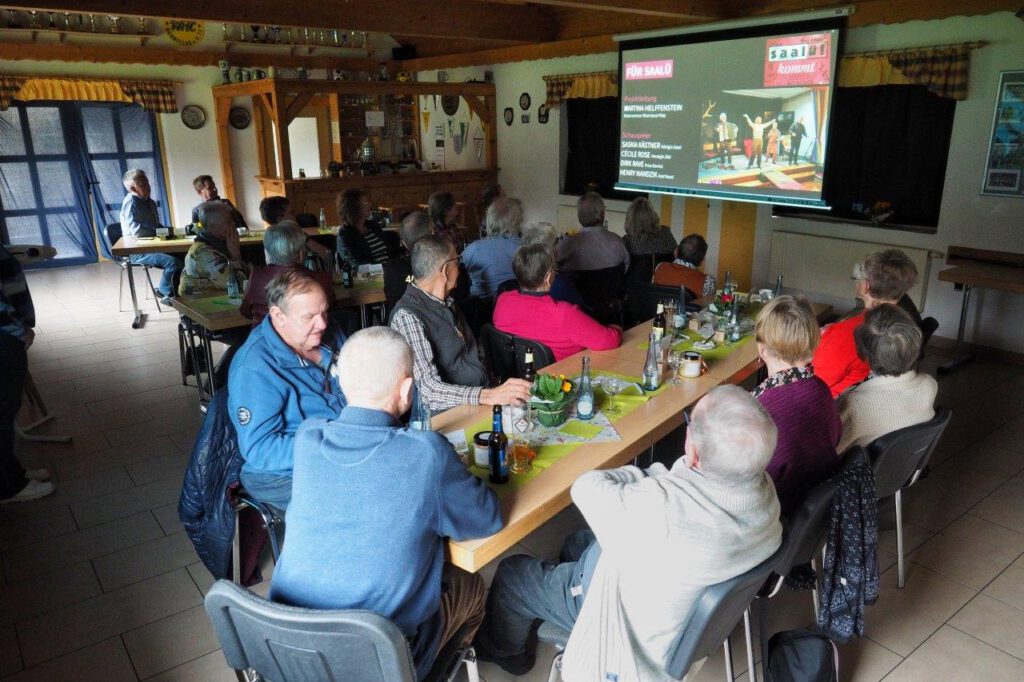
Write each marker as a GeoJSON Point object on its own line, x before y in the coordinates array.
{"type": "Point", "coordinates": [778, 286]}
{"type": "Point", "coordinates": [323, 219]}
{"type": "Point", "coordinates": [232, 284]}
{"type": "Point", "coordinates": [652, 374]}
{"type": "Point", "coordinates": [419, 417]}
{"type": "Point", "coordinates": [585, 398]}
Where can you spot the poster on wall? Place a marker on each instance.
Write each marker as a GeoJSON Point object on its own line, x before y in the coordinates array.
{"type": "Point", "coordinates": [1004, 169]}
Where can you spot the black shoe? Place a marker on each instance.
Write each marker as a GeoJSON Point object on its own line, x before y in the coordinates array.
{"type": "Point", "coordinates": [516, 665]}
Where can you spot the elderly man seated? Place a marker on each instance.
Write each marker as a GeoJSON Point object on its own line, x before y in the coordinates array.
{"type": "Point", "coordinates": [448, 368]}
{"type": "Point", "coordinates": [398, 270]}
{"type": "Point", "coordinates": [206, 188]}
{"type": "Point", "coordinates": [279, 378]}
{"type": "Point", "coordinates": [532, 313]}
{"type": "Point", "coordinates": [882, 278]}
{"type": "Point", "coordinates": [594, 247]}
{"type": "Point", "coordinates": [659, 538]}
{"type": "Point", "coordinates": [284, 247]}
{"type": "Point", "coordinates": [400, 493]}
{"type": "Point", "coordinates": [139, 218]}
{"type": "Point", "coordinates": [894, 396]}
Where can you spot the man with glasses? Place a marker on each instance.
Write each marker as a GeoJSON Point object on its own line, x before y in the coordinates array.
{"type": "Point", "coordinates": [281, 377]}
{"type": "Point", "coordinates": [139, 218]}
{"type": "Point", "coordinates": [448, 370]}
{"type": "Point", "coordinates": [206, 188]}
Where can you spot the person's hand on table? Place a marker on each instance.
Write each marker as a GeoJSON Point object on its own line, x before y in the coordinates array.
{"type": "Point", "coordinates": [512, 392]}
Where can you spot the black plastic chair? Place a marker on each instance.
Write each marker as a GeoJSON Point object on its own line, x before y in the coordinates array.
{"type": "Point", "coordinates": [272, 524]}
{"type": "Point", "coordinates": [113, 234]}
{"type": "Point", "coordinates": [506, 352]}
{"type": "Point", "coordinates": [929, 326]}
{"type": "Point", "coordinates": [804, 539]}
{"type": "Point", "coordinates": [898, 458]}
{"type": "Point", "coordinates": [641, 268]}
{"type": "Point", "coordinates": [642, 301]}
{"type": "Point", "coordinates": [603, 291]}
{"type": "Point", "coordinates": [291, 644]}
{"type": "Point", "coordinates": [709, 624]}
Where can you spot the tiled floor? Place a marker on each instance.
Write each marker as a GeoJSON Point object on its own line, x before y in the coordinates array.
{"type": "Point", "coordinates": [100, 583]}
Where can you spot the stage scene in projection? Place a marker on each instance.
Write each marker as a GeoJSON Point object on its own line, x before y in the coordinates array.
{"type": "Point", "coordinates": [763, 137]}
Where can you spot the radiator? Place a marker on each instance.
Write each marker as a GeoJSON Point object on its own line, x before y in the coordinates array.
{"type": "Point", "coordinates": [823, 265]}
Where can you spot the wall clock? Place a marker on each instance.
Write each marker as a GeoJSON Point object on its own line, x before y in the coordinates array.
{"type": "Point", "coordinates": [509, 115]}
{"type": "Point", "coordinates": [239, 118]}
{"type": "Point", "coordinates": [193, 117]}
{"type": "Point", "coordinates": [524, 101]}
{"type": "Point", "coordinates": [542, 113]}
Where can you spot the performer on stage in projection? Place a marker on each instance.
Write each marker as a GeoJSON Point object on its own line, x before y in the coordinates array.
{"type": "Point", "coordinates": [772, 150]}
{"type": "Point", "coordinates": [724, 134]}
{"type": "Point", "coordinates": [757, 143]}
{"type": "Point", "coordinates": [797, 132]}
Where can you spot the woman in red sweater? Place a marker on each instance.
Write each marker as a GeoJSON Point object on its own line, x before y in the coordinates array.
{"type": "Point", "coordinates": [531, 313]}
{"type": "Point", "coordinates": [882, 278]}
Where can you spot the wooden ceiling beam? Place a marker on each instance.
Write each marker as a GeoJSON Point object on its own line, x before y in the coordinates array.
{"type": "Point", "coordinates": [453, 18]}
{"type": "Point", "coordinates": [68, 52]}
{"type": "Point", "coordinates": [870, 12]}
{"type": "Point", "coordinates": [520, 53]}
{"type": "Point", "coordinates": [673, 9]}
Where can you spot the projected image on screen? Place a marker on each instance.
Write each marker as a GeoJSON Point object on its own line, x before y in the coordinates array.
{"type": "Point", "coordinates": [743, 119]}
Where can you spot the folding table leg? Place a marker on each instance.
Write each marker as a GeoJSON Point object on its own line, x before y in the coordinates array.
{"type": "Point", "coordinates": [960, 358]}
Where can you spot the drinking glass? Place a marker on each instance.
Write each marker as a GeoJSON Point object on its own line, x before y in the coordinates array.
{"type": "Point", "coordinates": [519, 456]}
{"type": "Point", "coordinates": [670, 316]}
{"type": "Point", "coordinates": [675, 361]}
{"type": "Point", "coordinates": [611, 387]}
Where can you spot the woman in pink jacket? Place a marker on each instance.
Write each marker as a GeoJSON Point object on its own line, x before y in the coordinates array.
{"type": "Point", "coordinates": [531, 313]}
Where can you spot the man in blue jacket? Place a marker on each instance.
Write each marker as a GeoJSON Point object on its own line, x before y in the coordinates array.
{"type": "Point", "coordinates": [372, 504]}
{"type": "Point", "coordinates": [281, 377]}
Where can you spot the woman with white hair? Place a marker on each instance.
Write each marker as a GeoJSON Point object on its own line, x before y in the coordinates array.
{"type": "Point", "coordinates": [489, 261]}
{"type": "Point", "coordinates": [284, 246]}
{"type": "Point", "coordinates": [562, 287]}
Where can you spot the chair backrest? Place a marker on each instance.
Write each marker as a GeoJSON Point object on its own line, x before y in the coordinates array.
{"type": "Point", "coordinates": [113, 233]}
{"type": "Point", "coordinates": [603, 292]}
{"type": "Point", "coordinates": [805, 531]}
{"type": "Point", "coordinates": [290, 644]}
{"type": "Point", "coordinates": [714, 615]}
{"type": "Point", "coordinates": [642, 300]}
{"type": "Point", "coordinates": [897, 458]}
{"type": "Point", "coordinates": [641, 268]}
{"type": "Point", "coordinates": [507, 352]}
{"type": "Point", "coordinates": [307, 220]}
{"type": "Point", "coordinates": [675, 275]}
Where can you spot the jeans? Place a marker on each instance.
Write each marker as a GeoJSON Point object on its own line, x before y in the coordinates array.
{"type": "Point", "coordinates": [272, 489]}
{"type": "Point", "coordinates": [13, 369]}
{"type": "Point", "coordinates": [169, 264]}
{"type": "Point", "coordinates": [525, 589]}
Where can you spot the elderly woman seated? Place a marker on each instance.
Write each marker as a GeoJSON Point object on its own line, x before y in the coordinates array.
{"type": "Point", "coordinates": [284, 245]}
{"type": "Point", "coordinates": [799, 402]}
{"type": "Point", "coordinates": [894, 396]}
{"type": "Point", "coordinates": [489, 261]}
{"type": "Point", "coordinates": [532, 313]}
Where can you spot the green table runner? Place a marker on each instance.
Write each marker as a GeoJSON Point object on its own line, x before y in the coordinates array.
{"type": "Point", "coordinates": [214, 304]}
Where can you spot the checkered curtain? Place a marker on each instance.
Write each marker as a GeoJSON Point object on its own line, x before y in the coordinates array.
{"type": "Point", "coordinates": [9, 86]}
{"type": "Point", "coordinates": [942, 69]}
{"type": "Point", "coordinates": [154, 96]}
{"type": "Point", "coordinates": [581, 86]}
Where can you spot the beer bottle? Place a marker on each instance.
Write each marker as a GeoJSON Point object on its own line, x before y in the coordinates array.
{"type": "Point", "coordinates": [659, 322]}
{"type": "Point", "coordinates": [497, 450]}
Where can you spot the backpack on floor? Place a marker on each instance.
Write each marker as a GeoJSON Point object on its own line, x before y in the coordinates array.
{"type": "Point", "coordinates": [802, 656]}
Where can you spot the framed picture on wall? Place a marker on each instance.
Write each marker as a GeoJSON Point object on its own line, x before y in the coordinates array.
{"type": "Point", "coordinates": [1005, 161]}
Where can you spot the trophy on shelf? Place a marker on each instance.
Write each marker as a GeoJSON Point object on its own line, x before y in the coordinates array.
{"type": "Point", "coordinates": [224, 32]}
{"type": "Point", "coordinates": [12, 19]}
{"type": "Point", "coordinates": [115, 23]}
{"type": "Point", "coordinates": [67, 20]}
{"type": "Point", "coordinates": [92, 23]}
{"type": "Point", "coordinates": [276, 31]}
{"type": "Point", "coordinates": [52, 23]}
{"type": "Point", "coordinates": [334, 36]}
{"type": "Point", "coordinates": [33, 21]}
{"type": "Point", "coordinates": [143, 31]}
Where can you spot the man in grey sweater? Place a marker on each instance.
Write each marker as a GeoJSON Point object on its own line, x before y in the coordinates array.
{"type": "Point", "coordinates": [659, 537]}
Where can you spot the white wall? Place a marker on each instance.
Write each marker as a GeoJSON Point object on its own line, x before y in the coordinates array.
{"type": "Point", "coordinates": [966, 218]}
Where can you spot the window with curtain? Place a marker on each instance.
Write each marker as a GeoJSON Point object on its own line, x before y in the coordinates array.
{"type": "Point", "coordinates": [60, 172]}
{"type": "Point", "coordinates": [592, 161]}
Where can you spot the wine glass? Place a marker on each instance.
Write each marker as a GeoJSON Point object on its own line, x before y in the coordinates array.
{"type": "Point", "coordinates": [675, 361]}
{"type": "Point", "coordinates": [612, 386]}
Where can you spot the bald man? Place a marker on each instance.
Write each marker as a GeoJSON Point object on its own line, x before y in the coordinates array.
{"type": "Point", "coordinates": [399, 494]}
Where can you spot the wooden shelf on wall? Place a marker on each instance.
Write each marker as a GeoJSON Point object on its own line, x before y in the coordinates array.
{"type": "Point", "coordinates": [63, 34]}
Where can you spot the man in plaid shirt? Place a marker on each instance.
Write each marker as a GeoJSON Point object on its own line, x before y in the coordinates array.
{"type": "Point", "coordinates": [446, 365]}
{"type": "Point", "coordinates": [17, 317]}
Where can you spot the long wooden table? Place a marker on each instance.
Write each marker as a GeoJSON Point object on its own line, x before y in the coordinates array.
{"type": "Point", "coordinates": [971, 275]}
{"type": "Point", "coordinates": [129, 245]}
{"type": "Point", "coordinates": [532, 505]}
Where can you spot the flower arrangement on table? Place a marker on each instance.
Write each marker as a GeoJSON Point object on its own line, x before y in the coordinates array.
{"type": "Point", "coordinates": [552, 398]}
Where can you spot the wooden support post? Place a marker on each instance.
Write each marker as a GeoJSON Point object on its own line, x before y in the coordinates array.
{"type": "Point", "coordinates": [281, 142]}
{"type": "Point", "coordinates": [222, 107]}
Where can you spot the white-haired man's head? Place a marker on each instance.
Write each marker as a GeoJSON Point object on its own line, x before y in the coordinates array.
{"type": "Point", "coordinates": [731, 437]}
{"type": "Point", "coordinates": [374, 369]}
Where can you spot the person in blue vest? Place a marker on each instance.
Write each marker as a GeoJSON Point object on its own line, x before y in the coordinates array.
{"type": "Point", "coordinates": [373, 503]}
{"type": "Point", "coordinates": [281, 377]}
